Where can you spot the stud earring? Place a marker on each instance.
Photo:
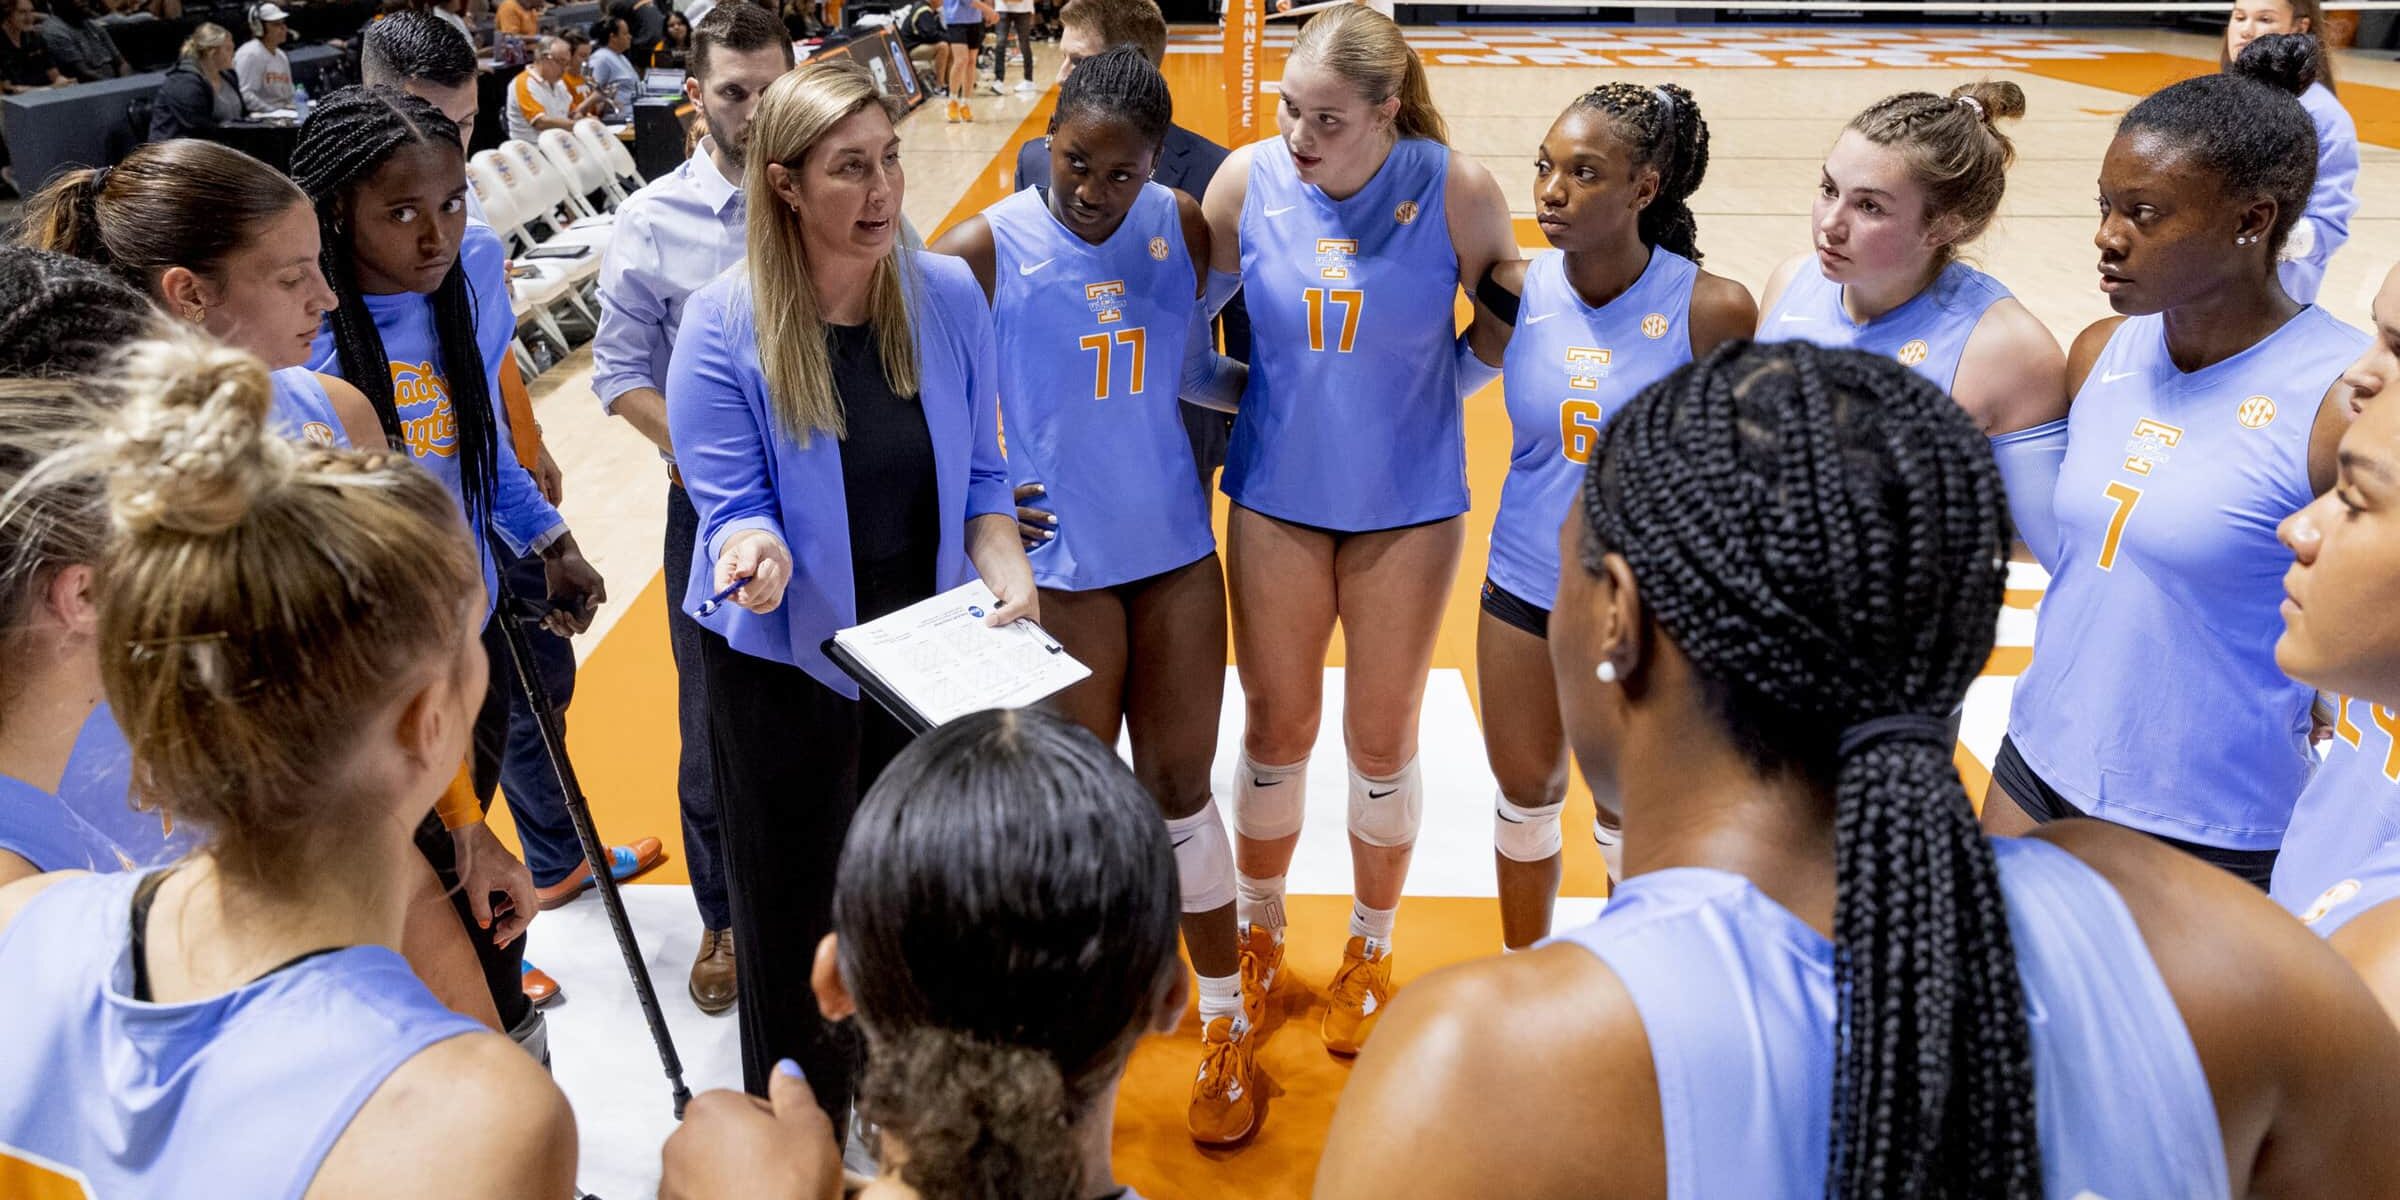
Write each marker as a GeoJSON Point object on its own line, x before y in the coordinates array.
{"type": "Point", "coordinates": [1607, 672]}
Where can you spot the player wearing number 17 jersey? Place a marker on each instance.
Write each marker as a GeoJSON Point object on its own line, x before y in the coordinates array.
{"type": "Point", "coordinates": [1351, 231]}
{"type": "Point", "coordinates": [2201, 420]}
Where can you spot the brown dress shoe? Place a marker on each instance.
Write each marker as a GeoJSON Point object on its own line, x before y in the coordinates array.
{"type": "Point", "coordinates": [712, 972]}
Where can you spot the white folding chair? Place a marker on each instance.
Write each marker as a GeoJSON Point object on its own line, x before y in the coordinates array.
{"type": "Point", "coordinates": [549, 184]}
{"type": "Point", "coordinates": [586, 176]}
{"type": "Point", "coordinates": [612, 151]}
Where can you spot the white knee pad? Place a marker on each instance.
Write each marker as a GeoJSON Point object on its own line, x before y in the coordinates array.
{"type": "Point", "coordinates": [1203, 859]}
{"type": "Point", "coordinates": [1386, 812]}
{"type": "Point", "coordinates": [1526, 835]}
{"type": "Point", "coordinates": [1612, 848]}
{"type": "Point", "coordinates": [1270, 802]}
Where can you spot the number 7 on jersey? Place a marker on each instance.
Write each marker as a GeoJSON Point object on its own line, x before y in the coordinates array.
{"type": "Point", "coordinates": [2126, 496]}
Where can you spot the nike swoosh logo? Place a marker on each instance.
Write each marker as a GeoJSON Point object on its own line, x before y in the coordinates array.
{"type": "Point", "coordinates": [2113, 376]}
{"type": "Point", "coordinates": [1375, 795]}
{"type": "Point", "coordinates": [1255, 781]}
{"type": "Point", "coordinates": [1511, 820]}
{"type": "Point", "coordinates": [1277, 212]}
{"type": "Point", "coordinates": [1794, 319]}
{"type": "Point", "coordinates": [1180, 841]}
{"type": "Point", "coordinates": [1030, 268]}
{"type": "Point", "coordinates": [1538, 320]}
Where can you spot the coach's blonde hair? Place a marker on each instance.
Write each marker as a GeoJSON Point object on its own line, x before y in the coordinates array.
{"type": "Point", "coordinates": [1365, 47]}
{"type": "Point", "coordinates": [793, 115]}
{"type": "Point", "coordinates": [258, 602]}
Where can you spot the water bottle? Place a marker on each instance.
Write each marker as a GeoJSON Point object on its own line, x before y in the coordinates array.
{"type": "Point", "coordinates": [300, 101]}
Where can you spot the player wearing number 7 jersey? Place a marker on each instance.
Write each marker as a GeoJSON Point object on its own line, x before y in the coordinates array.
{"type": "Point", "coordinates": [1352, 232]}
{"type": "Point", "coordinates": [1619, 303]}
{"type": "Point", "coordinates": [2202, 417]}
{"type": "Point", "coordinates": [1095, 285]}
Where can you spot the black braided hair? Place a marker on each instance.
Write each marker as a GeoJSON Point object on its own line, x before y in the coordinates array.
{"type": "Point", "coordinates": [1665, 129]}
{"type": "Point", "coordinates": [2254, 138]}
{"type": "Point", "coordinates": [415, 46]}
{"type": "Point", "coordinates": [347, 138]}
{"type": "Point", "coordinates": [1118, 83]}
{"type": "Point", "coordinates": [64, 317]}
{"type": "Point", "coordinates": [1822, 532]}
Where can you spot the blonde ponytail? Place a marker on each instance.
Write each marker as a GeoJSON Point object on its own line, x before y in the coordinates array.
{"type": "Point", "coordinates": [1366, 49]}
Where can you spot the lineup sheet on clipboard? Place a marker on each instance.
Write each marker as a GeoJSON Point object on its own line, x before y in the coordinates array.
{"type": "Point", "coordinates": [940, 658]}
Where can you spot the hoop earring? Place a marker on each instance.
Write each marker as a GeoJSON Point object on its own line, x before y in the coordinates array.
{"type": "Point", "coordinates": [1607, 671]}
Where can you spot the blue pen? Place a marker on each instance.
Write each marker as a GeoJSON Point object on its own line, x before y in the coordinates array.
{"type": "Point", "coordinates": [710, 606]}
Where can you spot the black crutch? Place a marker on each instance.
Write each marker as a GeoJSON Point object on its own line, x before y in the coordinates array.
{"type": "Point", "coordinates": [595, 853]}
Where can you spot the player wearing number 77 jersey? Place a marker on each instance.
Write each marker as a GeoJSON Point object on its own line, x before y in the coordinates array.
{"type": "Point", "coordinates": [1095, 287]}
{"type": "Point", "coordinates": [2202, 418]}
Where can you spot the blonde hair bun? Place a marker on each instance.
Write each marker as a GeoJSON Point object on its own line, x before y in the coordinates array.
{"type": "Point", "coordinates": [189, 452]}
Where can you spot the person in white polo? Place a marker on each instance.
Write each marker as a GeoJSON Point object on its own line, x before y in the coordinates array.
{"type": "Point", "coordinates": [538, 99]}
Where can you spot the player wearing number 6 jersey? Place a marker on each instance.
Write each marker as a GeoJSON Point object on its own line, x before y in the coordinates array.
{"type": "Point", "coordinates": [1095, 282]}
{"type": "Point", "coordinates": [2202, 417]}
{"type": "Point", "coordinates": [1620, 302]}
{"type": "Point", "coordinates": [1351, 233]}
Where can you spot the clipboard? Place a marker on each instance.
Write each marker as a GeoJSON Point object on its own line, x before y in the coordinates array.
{"type": "Point", "coordinates": [936, 660]}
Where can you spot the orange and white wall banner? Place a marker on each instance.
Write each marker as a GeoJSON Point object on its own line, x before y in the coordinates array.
{"type": "Point", "coordinates": [1245, 28]}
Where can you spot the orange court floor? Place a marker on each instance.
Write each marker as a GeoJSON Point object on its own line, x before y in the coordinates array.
{"type": "Point", "coordinates": [1501, 87]}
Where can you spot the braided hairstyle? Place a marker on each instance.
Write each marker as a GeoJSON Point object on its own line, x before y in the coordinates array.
{"type": "Point", "coordinates": [63, 317]}
{"type": "Point", "coordinates": [347, 138]}
{"type": "Point", "coordinates": [1664, 127]}
{"type": "Point", "coordinates": [1954, 149]}
{"type": "Point", "coordinates": [1118, 84]}
{"type": "Point", "coordinates": [1822, 533]}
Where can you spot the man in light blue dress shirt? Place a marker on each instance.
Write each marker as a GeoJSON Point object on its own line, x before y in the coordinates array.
{"type": "Point", "coordinates": [677, 233]}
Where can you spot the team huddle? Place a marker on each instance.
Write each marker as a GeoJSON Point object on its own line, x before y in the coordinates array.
{"type": "Point", "coordinates": [1749, 554]}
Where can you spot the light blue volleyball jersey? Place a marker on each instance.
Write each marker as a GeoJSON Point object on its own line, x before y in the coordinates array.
{"type": "Point", "coordinates": [302, 412]}
{"type": "Point", "coordinates": [1928, 334]}
{"type": "Point", "coordinates": [1091, 344]}
{"type": "Point", "coordinates": [1350, 420]}
{"type": "Point", "coordinates": [89, 823]}
{"type": "Point", "coordinates": [238, 1095]}
{"type": "Point", "coordinates": [2338, 857]}
{"type": "Point", "coordinates": [2153, 699]}
{"type": "Point", "coordinates": [1737, 997]}
{"type": "Point", "coordinates": [2331, 203]}
{"type": "Point", "coordinates": [1568, 369]}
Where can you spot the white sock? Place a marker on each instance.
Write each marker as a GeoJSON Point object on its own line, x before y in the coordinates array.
{"type": "Point", "coordinates": [1373, 924]}
{"type": "Point", "coordinates": [1260, 902]}
{"type": "Point", "coordinates": [1220, 996]}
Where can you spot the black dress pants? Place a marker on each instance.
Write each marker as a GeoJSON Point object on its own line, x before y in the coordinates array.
{"type": "Point", "coordinates": [792, 757]}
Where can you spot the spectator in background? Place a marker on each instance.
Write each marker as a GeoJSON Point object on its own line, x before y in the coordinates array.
{"type": "Point", "coordinates": [264, 70]}
{"type": "Point", "coordinates": [538, 99]}
{"type": "Point", "coordinates": [453, 13]}
{"type": "Point", "coordinates": [676, 48]}
{"type": "Point", "coordinates": [24, 62]}
{"type": "Point", "coordinates": [80, 48]}
{"type": "Point", "coordinates": [649, 24]}
{"type": "Point", "coordinates": [579, 53]}
{"type": "Point", "coordinates": [519, 18]}
{"type": "Point", "coordinates": [200, 91]}
{"type": "Point", "coordinates": [614, 82]}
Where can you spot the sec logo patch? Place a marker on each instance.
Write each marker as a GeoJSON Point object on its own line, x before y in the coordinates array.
{"type": "Point", "coordinates": [1913, 353]}
{"type": "Point", "coordinates": [1158, 249]}
{"type": "Point", "coordinates": [1654, 326]}
{"type": "Point", "coordinates": [1406, 214]}
{"type": "Point", "coordinates": [2256, 412]}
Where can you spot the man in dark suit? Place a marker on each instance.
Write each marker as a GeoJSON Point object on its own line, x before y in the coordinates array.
{"type": "Point", "coordinates": [1187, 162]}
